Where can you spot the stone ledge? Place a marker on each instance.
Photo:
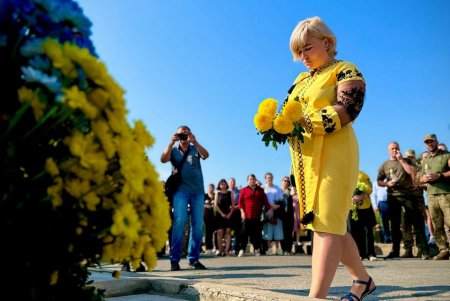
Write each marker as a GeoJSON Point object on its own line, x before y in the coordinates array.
{"type": "Point", "coordinates": [188, 290]}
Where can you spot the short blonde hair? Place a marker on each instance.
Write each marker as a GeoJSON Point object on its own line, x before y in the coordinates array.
{"type": "Point", "coordinates": [313, 27]}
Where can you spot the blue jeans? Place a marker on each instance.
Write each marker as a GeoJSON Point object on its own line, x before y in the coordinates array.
{"type": "Point", "coordinates": [383, 208]}
{"type": "Point", "coordinates": [180, 212]}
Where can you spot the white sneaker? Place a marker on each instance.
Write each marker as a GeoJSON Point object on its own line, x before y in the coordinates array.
{"type": "Point", "coordinates": [217, 253]}
{"type": "Point", "coordinates": [373, 258]}
{"type": "Point", "coordinates": [208, 252]}
{"type": "Point", "coordinates": [269, 252]}
{"type": "Point", "coordinates": [241, 253]}
{"type": "Point", "coordinates": [279, 252]}
{"type": "Point", "coordinates": [257, 253]}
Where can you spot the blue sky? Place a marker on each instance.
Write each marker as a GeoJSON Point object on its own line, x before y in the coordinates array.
{"type": "Point", "coordinates": [208, 64]}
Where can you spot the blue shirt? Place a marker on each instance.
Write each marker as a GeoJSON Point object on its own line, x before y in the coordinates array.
{"type": "Point", "coordinates": [191, 171]}
{"type": "Point", "coordinates": [236, 196]}
{"type": "Point", "coordinates": [379, 194]}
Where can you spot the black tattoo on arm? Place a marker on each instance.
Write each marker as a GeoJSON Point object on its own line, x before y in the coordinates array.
{"type": "Point", "coordinates": [352, 99]}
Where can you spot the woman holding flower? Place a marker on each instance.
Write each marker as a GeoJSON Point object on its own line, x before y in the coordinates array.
{"type": "Point", "coordinates": [331, 95]}
{"type": "Point", "coordinates": [361, 219]}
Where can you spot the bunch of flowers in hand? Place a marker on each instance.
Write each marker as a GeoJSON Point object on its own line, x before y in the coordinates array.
{"type": "Point", "coordinates": [277, 127]}
{"type": "Point", "coordinates": [77, 188]}
{"type": "Point", "coordinates": [363, 186]}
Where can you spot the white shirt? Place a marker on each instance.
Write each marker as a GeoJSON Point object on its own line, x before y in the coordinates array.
{"type": "Point", "coordinates": [273, 193]}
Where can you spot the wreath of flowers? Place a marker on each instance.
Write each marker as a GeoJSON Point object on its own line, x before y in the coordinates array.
{"type": "Point", "coordinates": [77, 187]}
{"type": "Point", "coordinates": [277, 127]}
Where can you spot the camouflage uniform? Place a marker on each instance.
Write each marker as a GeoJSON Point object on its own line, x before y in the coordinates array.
{"type": "Point", "coordinates": [439, 196]}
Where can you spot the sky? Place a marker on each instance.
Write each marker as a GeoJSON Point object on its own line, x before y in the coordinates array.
{"type": "Point", "coordinates": [208, 64]}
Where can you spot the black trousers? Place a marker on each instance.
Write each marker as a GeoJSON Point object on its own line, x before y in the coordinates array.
{"type": "Point", "coordinates": [251, 228]}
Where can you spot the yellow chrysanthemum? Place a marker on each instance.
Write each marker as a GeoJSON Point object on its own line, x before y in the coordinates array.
{"type": "Point", "coordinates": [85, 147]}
{"type": "Point", "coordinates": [126, 222]}
{"type": "Point", "coordinates": [292, 110]}
{"type": "Point", "coordinates": [268, 107]}
{"type": "Point", "coordinates": [143, 137]}
{"type": "Point", "coordinates": [54, 278]}
{"type": "Point", "coordinates": [77, 187]}
{"type": "Point", "coordinates": [55, 192]}
{"type": "Point", "coordinates": [30, 96]}
{"type": "Point", "coordinates": [283, 125]}
{"type": "Point", "coordinates": [77, 99]}
{"type": "Point", "coordinates": [51, 167]}
{"type": "Point", "coordinates": [262, 122]}
{"type": "Point", "coordinates": [132, 163]}
{"type": "Point", "coordinates": [104, 134]}
{"type": "Point", "coordinates": [59, 59]}
{"type": "Point", "coordinates": [99, 97]}
{"type": "Point", "coordinates": [92, 200]}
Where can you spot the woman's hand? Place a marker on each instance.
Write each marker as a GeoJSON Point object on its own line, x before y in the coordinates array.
{"type": "Point", "coordinates": [358, 198]}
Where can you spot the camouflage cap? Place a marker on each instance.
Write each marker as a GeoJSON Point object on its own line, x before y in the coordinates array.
{"type": "Point", "coordinates": [410, 153]}
{"type": "Point", "coordinates": [429, 137]}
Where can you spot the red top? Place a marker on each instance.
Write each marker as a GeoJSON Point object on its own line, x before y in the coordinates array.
{"type": "Point", "coordinates": [252, 201]}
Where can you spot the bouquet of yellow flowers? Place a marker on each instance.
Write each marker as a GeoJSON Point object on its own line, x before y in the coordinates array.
{"type": "Point", "coordinates": [76, 187]}
{"type": "Point", "coordinates": [277, 127]}
{"type": "Point", "coordinates": [362, 186]}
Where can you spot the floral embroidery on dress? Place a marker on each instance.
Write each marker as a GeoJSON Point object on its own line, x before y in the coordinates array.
{"type": "Point", "coordinates": [347, 74]}
{"type": "Point", "coordinates": [328, 124]}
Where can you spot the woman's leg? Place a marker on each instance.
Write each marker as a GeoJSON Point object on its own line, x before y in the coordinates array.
{"type": "Point", "coordinates": [228, 241]}
{"type": "Point", "coordinates": [219, 241]}
{"type": "Point", "coordinates": [328, 250]}
{"type": "Point", "coordinates": [326, 255]}
{"type": "Point", "coordinates": [350, 258]}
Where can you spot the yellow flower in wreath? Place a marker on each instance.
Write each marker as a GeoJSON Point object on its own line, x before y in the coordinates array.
{"type": "Point", "coordinates": [283, 125]}
{"type": "Point", "coordinates": [268, 107]}
{"type": "Point", "coordinates": [262, 122]}
{"type": "Point", "coordinates": [126, 222]}
{"type": "Point", "coordinates": [292, 110]}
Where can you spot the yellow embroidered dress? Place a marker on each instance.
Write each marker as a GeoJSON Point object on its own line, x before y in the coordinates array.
{"type": "Point", "coordinates": [325, 166]}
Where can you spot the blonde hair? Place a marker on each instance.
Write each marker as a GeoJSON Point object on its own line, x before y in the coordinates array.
{"type": "Point", "coordinates": [313, 27]}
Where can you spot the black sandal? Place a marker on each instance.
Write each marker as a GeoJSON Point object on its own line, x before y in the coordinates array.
{"type": "Point", "coordinates": [366, 292]}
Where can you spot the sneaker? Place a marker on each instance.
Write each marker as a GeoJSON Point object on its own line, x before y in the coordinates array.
{"type": "Point", "coordinates": [208, 252]}
{"type": "Point", "coordinates": [426, 256]}
{"type": "Point", "coordinates": [269, 252]}
{"type": "Point", "coordinates": [408, 254]}
{"type": "Point", "coordinates": [392, 255]}
{"type": "Point", "coordinates": [373, 258]}
{"type": "Point", "coordinates": [279, 252]}
{"type": "Point", "coordinates": [217, 252]}
{"type": "Point", "coordinates": [197, 265]}
{"type": "Point", "coordinates": [286, 253]}
{"type": "Point", "coordinates": [241, 253]}
{"type": "Point", "coordinates": [257, 253]}
{"type": "Point", "coordinates": [175, 266]}
{"type": "Point", "coordinates": [432, 240]}
{"type": "Point", "coordinates": [443, 254]}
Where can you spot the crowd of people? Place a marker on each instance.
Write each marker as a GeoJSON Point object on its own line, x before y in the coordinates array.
{"type": "Point", "coordinates": [267, 215]}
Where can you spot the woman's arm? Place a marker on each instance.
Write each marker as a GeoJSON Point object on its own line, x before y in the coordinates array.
{"type": "Point", "coordinates": [350, 100]}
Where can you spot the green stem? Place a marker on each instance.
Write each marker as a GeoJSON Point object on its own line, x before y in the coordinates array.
{"type": "Point", "coordinates": [41, 121]}
{"type": "Point", "coordinates": [15, 120]}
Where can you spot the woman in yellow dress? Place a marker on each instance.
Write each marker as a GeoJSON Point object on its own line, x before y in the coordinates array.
{"type": "Point", "coordinates": [325, 165]}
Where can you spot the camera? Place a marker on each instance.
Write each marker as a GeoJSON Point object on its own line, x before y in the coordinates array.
{"type": "Point", "coordinates": [183, 137]}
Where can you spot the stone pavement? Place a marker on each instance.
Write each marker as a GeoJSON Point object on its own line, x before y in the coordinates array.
{"type": "Point", "coordinates": [272, 278]}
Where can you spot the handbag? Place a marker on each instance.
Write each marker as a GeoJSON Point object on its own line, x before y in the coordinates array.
{"type": "Point", "coordinates": [265, 216]}
{"type": "Point", "coordinates": [174, 180]}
